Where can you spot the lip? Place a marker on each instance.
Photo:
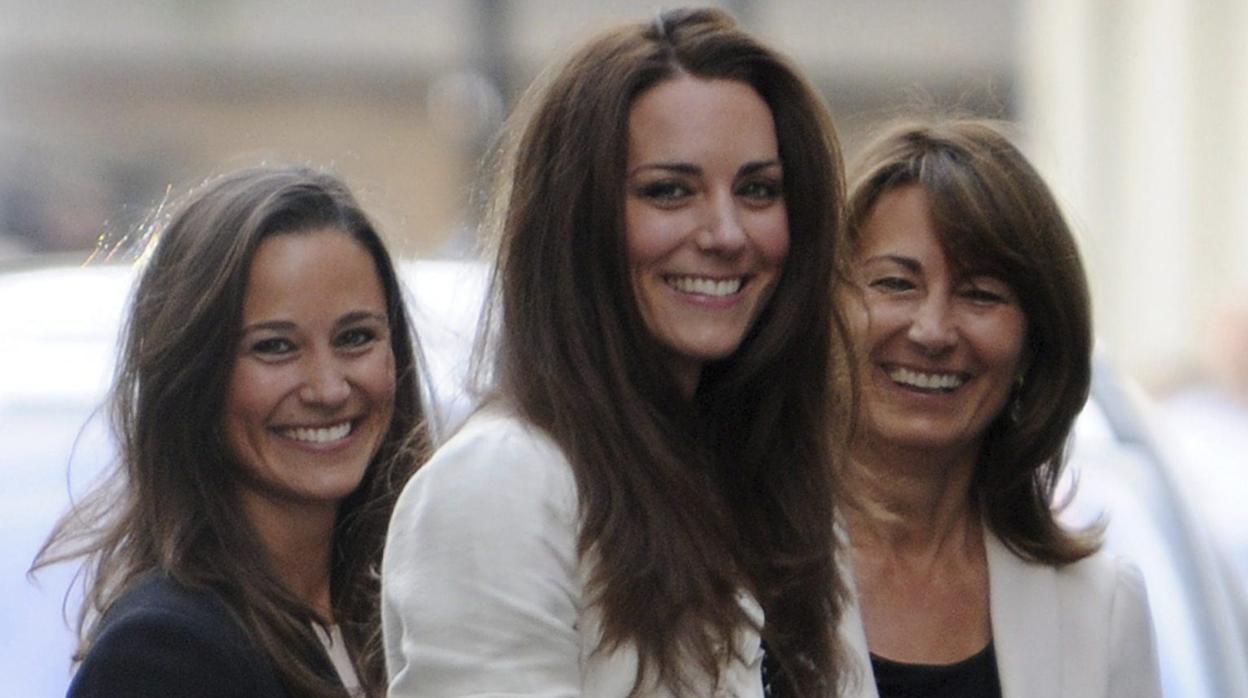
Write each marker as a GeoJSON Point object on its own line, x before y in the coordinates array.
{"type": "Point", "coordinates": [670, 281]}
{"type": "Point", "coordinates": [305, 435]}
{"type": "Point", "coordinates": [943, 381]}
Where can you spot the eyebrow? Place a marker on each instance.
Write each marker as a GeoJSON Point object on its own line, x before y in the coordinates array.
{"type": "Point", "coordinates": [909, 263]}
{"type": "Point", "coordinates": [686, 168]}
{"type": "Point", "coordinates": [288, 326]}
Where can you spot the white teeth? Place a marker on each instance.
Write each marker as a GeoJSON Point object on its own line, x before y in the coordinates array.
{"type": "Point", "coordinates": [703, 286]}
{"type": "Point", "coordinates": [320, 435]}
{"type": "Point", "coordinates": [926, 381]}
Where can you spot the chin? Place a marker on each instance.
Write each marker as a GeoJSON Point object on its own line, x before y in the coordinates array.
{"type": "Point", "coordinates": [707, 351]}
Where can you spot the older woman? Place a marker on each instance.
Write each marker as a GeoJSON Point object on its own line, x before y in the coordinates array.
{"type": "Point", "coordinates": [267, 409]}
{"type": "Point", "coordinates": [970, 312]}
{"type": "Point", "coordinates": [643, 500]}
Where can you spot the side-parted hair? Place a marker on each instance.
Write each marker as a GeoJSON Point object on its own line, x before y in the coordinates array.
{"type": "Point", "coordinates": [994, 214]}
{"type": "Point", "coordinates": [683, 503]}
{"type": "Point", "coordinates": [170, 505]}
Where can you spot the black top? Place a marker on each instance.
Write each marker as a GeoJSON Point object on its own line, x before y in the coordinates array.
{"type": "Point", "coordinates": [771, 672]}
{"type": "Point", "coordinates": [973, 677]}
{"type": "Point", "coordinates": [161, 639]}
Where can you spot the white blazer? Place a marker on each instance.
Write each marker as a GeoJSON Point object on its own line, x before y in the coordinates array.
{"type": "Point", "coordinates": [1078, 631]}
{"type": "Point", "coordinates": [483, 593]}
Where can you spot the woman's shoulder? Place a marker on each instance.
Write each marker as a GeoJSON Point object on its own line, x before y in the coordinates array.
{"type": "Point", "coordinates": [497, 454]}
{"type": "Point", "coordinates": [161, 638]}
{"type": "Point", "coordinates": [157, 600]}
{"type": "Point", "coordinates": [499, 427]}
{"type": "Point", "coordinates": [156, 594]}
{"type": "Point", "coordinates": [1103, 574]}
{"type": "Point", "coordinates": [1098, 576]}
{"type": "Point", "coordinates": [1107, 598]}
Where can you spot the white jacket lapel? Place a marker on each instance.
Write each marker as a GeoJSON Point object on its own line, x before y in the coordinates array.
{"type": "Point", "coordinates": [859, 681]}
{"type": "Point", "coordinates": [1023, 602]}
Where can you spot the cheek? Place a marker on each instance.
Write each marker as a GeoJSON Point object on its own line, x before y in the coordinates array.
{"type": "Point", "coordinates": [875, 323]}
{"type": "Point", "coordinates": [650, 235]}
{"type": "Point", "coordinates": [1013, 343]}
{"type": "Point", "coordinates": [772, 238]}
{"type": "Point", "coordinates": [379, 378]}
{"type": "Point", "coordinates": [248, 395]}
{"type": "Point", "coordinates": [248, 402]}
{"type": "Point", "coordinates": [1001, 345]}
{"type": "Point", "coordinates": [857, 316]}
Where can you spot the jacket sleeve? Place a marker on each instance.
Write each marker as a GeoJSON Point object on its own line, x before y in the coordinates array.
{"type": "Point", "coordinates": [480, 595]}
{"type": "Point", "coordinates": [157, 652]}
{"type": "Point", "coordinates": [1133, 670]}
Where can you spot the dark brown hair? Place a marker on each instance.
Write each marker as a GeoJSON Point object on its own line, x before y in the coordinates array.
{"type": "Point", "coordinates": [683, 503]}
{"type": "Point", "coordinates": [170, 504]}
{"type": "Point", "coordinates": [994, 213]}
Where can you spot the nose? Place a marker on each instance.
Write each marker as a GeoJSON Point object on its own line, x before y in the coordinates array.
{"type": "Point", "coordinates": [932, 327]}
{"type": "Point", "coordinates": [325, 382]}
{"type": "Point", "coordinates": [722, 230]}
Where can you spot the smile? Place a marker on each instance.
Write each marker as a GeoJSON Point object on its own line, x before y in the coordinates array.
{"type": "Point", "coordinates": [705, 286]}
{"type": "Point", "coordinates": [318, 435]}
{"type": "Point", "coordinates": [943, 382]}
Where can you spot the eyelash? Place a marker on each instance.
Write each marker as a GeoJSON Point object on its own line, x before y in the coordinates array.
{"type": "Point", "coordinates": [891, 284]}
{"type": "Point", "coordinates": [756, 192]}
{"type": "Point", "coordinates": [272, 346]}
{"type": "Point", "coordinates": [771, 190]}
{"type": "Point", "coordinates": [979, 295]}
{"type": "Point", "coordinates": [356, 337]}
{"type": "Point", "coordinates": [665, 191]}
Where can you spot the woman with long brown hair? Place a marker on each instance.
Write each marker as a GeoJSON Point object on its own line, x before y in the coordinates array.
{"type": "Point", "coordinates": [645, 502]}
{"type": "Point", "coordinates": [267, 410]}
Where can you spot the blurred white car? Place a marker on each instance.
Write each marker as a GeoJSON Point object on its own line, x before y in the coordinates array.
{"type": "Point", "coordinates": [1199, 610]}
{"type": "Point", "coordinates": [56, 354]}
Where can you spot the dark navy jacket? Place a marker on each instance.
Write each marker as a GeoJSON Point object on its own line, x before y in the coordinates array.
{"type": "Point", "coordinates": [161, 639]}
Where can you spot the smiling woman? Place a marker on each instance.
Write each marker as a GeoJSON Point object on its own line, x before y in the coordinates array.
{"type": "Point", "coordinates": [704, 216]}
{"type": "Point", "coordinates": [312, 389]}
{"type": "Point", "coordinates": [970, 312]}
{"type": "Point", "coordinates": [267, 369]}
{"type": "Point", "coordinates": [644, 506]}
{"type": "Point", "coordinates": [943, 345]}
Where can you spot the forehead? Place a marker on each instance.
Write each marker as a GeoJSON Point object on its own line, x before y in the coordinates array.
{"type": "Point", "coordinates": [903, 219]}
{"type": "Point", "coordinates": [325, 266]}
{"type": "Point", "coordinates": [692, 118]}
{"type": "Point", "coordinates": [899, 222]}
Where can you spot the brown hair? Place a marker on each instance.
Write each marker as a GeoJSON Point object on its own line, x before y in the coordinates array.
{"type": "Point", "coordinates": [994, 212]}
{"type": "Point", "coordinates": [683, 503]}
{"type": "Point", "coordinates": [170, 504]}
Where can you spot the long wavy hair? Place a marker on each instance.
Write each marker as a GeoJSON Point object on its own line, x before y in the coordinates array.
{"type": "Point", "coordinates": [683, 502]}
{"type": "Point", "coordinates": [993, 211]}
{"type": "Point", "coordinates": [170, 504]}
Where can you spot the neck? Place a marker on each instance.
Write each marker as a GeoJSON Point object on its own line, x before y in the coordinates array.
{"type": "Point", "coordinates": [298, 539]}
{"type": "Point", "coordinates": [912, 503]}
{"type": "Point", "coordinates": [687, 376]}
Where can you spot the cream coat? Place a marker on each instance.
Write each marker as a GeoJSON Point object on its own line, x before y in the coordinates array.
{"type": "Point", "coordinates": [1079, 631]}
{"type": "Point", "coordinates": [482, 590]}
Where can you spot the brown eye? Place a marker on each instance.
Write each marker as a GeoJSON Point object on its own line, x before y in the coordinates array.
{"type": "Point", "coordinates": [272, 346]}
{"type": "Point", "coordinates": [356, 337]}
{"type": "Point", "coordinates": [665, 191]}
{"type": "Point", "coordinates": [760, 191]}
{"type": "Point", "coordinates": [988, 291]}
{"type": "Point", "coordinates": [984, 296]}
{"type": "Point", "coordinates": [891, 284]}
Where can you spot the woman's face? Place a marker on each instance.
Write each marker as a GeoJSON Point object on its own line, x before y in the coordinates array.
{"type": "Point", "coordinates": [940, 349]}
{"type": "Point", "coordinates": [311, 392]}
{"type": "Point", "coordinates": [706, 226]}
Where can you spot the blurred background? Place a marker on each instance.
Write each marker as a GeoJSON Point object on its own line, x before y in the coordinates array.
{"type": "Point", "coordinates": [1135, 110]}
